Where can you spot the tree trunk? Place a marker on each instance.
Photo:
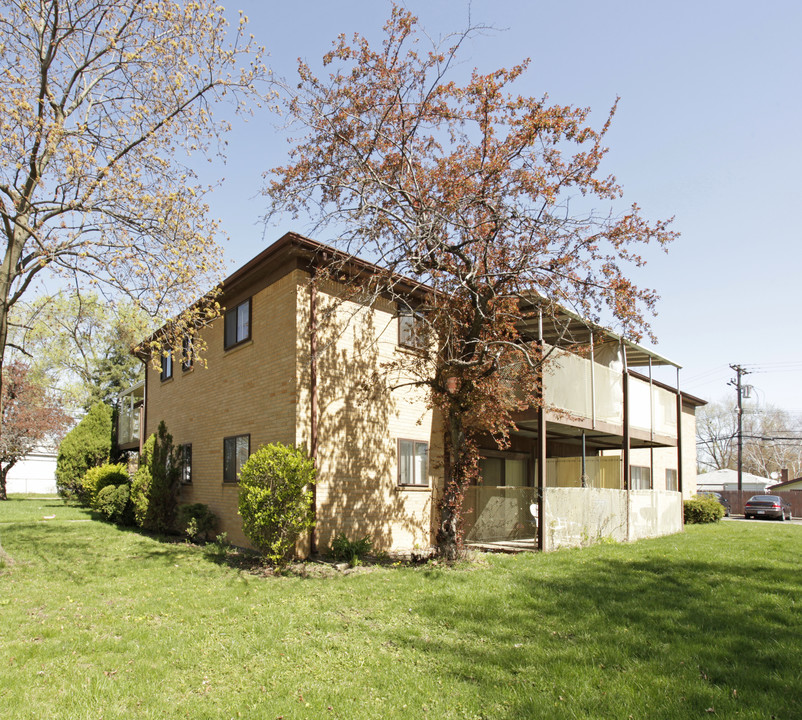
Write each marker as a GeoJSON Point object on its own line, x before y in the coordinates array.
{"type": "Point", "coordinates": [3, 475]}
{"type": "Point", "coordinates": [449, 539]}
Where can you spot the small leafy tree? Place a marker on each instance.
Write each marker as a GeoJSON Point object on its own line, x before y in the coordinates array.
{"type": "Point", "coordinates": [275, 501]}
{"type": "Point", "coordinates": [30, 417]}
{"type": "Point", "coordinates": [154, 491]}
{"type": "Point", "coordinates": [86, 446]}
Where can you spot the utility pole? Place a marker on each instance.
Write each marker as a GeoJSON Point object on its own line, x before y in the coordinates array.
{"type": "Point", "coordinates": [737, 383]}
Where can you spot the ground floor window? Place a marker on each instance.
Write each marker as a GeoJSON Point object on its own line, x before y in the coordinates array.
{"type": "Point", "coordinates": [413, 462]}
{"type": "Point", "coordinates": [236, 450]}
{"type": "Point", "coordinates": [640, 477]}
{"type": "Point", "coordinates": [503, 472]}
{"type": "Point", "coordinates": [185, 462]}
{"type": "Point", "coordinates": [671, 479]}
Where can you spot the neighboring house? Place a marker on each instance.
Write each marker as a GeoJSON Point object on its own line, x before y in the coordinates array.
{"type": "Point", "coordinates": [34, 474]}
{"type": "Point", "coordinates": [291, 361]}
{"type": "Point", "coordinates": [727, 481]}
{"type": "Point", "coordinates": [795, 484]}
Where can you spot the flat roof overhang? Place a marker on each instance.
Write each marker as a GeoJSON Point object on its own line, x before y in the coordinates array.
{"type": "Point", "coordinates": [563, 328]}
{"type": "Point", "coordinates": [603, 436]}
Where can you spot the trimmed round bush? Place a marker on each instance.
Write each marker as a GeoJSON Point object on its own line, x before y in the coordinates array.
{"type": "Point", "coordinates": [102, 476]}
{"type": "Point", "coordinates": [275, 501]}
{"type": "Point", "coordinates": [702, 509]}
{"type": "Point", "coordinates": [113, 503]}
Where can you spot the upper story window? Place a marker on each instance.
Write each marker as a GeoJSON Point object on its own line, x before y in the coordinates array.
{"type": "Point", "coordinates": [238, 324]}
{"type": "Point", "coordinates": [185, 462]}
{"type": "Point", "coordinates": [167, 366]}
{"type": "Point", "coordinates": [411, 329]}
{"type": "Point", "coordinates": [187, 354]}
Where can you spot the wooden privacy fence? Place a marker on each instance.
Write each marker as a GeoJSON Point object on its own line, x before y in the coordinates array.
{"type": "Point", "coordinates": [738, 500]}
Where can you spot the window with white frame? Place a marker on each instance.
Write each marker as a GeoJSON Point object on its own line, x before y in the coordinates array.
{"type": "Point", "coordinates": [237, 324]}
{"type": "Point", "coordinates": [671, 479]}
{"type": "Point", "coordinates": [640, 477]}
{"type": "Point", "coordinates": [411, 329]}
{"type": "Point", "coordinates": [413, 463]}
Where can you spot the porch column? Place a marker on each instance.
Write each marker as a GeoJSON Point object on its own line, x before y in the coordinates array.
{"type": "Point", "coordinates": [679, 435]}
{"type": "Point", "coordinates": [626, 436]}
{"type": "Point", "coordinates": [541, 444]}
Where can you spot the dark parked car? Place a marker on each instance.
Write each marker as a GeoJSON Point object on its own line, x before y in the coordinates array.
{"type": "Point", "coordinates": [768, 506]}
{"type": "Point", "coordinates": [720, 498]}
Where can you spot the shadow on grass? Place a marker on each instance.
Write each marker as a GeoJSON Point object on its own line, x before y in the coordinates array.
{"type": "Point", "coordinates": [668, 634]}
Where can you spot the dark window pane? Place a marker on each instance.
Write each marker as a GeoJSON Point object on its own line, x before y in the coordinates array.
{"type": "Point", "coordinates": [167, 366]}
{"type": "Point", "coordinates": [188, 355]}
{"type": "Point", "coordinates": [229, 459]}
{"type": "Point", "coordinates": [186, 464]}
{"type": "Point", "coordinates": [231, 327]}
{"type": "Point", "coordinates": [243, 450]}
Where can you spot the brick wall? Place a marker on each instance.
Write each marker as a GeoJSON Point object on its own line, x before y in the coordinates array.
{"type": "Point", "coordinates": [249, 389]}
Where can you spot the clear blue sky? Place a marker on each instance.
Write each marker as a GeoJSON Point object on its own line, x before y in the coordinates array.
{"type": "Point", "coordinates": [707, 130]}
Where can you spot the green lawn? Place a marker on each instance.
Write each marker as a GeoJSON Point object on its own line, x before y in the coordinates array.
{"type": "Point", "coordinates": [100, 622]}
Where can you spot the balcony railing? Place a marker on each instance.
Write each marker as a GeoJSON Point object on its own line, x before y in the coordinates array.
{"type": "Point", "coordinates": [595, 392]}
{"type": "Point", "coordinates": [130, 403]}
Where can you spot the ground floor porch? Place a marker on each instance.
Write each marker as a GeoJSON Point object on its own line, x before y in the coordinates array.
{"type": "Point", "coordinates": [573, 487]}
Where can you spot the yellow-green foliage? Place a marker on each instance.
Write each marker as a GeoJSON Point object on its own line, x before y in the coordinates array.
{"type": "Point", "coordinates": [275, 501]}
{"type": "Point", "coordinates": [703, 509]}
{"type": "Point", "coordinates": [102, 476]}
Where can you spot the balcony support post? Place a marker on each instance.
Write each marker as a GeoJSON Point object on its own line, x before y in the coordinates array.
{"type": "Point", "coordinates": [625, 445]}
{"type": "Point", "coordinates": [541, 441]}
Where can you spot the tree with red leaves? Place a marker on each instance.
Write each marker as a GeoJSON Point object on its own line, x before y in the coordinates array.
{"type": "Point", "coordinates": [483, 196]}
{"type": "Point", "coordinates": [30, 418]}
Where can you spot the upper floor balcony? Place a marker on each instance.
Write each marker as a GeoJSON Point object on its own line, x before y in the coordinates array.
{"type": "Point", "coordinates": [130, 405]}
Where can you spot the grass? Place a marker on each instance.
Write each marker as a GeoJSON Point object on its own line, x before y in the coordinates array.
{"type": "Point", "coordinates": [102, 622]}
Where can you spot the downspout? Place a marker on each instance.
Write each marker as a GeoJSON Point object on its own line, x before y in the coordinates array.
{"type": "Point", "coordinates": [313, 408]}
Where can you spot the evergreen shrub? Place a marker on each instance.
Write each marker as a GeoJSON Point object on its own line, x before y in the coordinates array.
{"type": "Point", "coordinates": [102, 476]}
{"type": "Point", "coordinates": [154, 490]}
{"type": "Point", "coordinates": [113, 502]}
{"type": "Point", "coordinates": [86, 446]}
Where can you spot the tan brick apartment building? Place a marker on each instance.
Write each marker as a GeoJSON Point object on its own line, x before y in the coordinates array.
{"type": "Point", "coordinates": [290, 361]}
